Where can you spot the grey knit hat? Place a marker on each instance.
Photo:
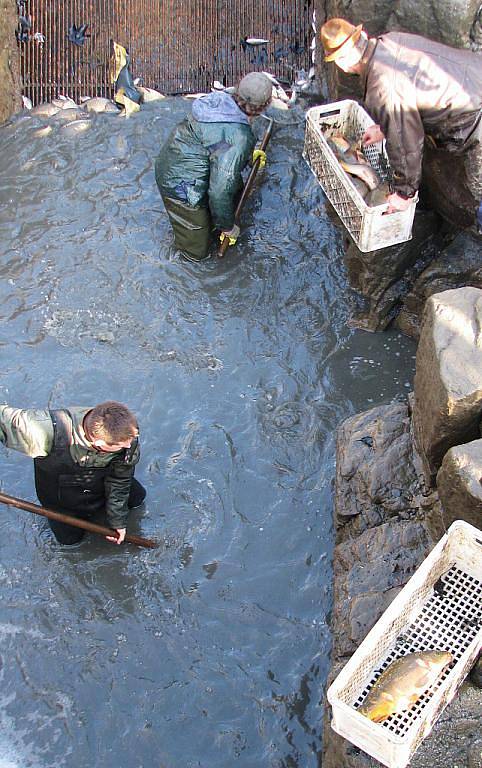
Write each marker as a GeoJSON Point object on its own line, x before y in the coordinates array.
{"type": "Point", "coordinates": [255, 88]}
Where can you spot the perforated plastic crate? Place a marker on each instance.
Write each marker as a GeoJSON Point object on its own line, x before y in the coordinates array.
{"type": "Point", "coordinates": [440, 608]}
{"type": "Point", "coordinates": [367, 225]}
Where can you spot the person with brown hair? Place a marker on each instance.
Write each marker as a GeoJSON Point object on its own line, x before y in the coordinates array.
{"type": "Point", "coordinates": [84, 461]}
{"type": "Point", "coordinates": [415, 89]}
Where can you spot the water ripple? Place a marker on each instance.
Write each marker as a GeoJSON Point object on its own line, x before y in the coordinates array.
{"type": "Point", "coordinates": [213, 647]}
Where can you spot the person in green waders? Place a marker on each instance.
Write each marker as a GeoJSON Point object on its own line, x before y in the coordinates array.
{"type": "Point", "coordinates": [198, 170]}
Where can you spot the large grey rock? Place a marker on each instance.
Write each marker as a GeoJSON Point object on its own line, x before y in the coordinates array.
{"type": "Point", "coordinates": [379, 477]}
{"type": "Point", "coordinates": [448, 379]}
{"type": "Point", "coordinates": [459, 264]}
{"type": "Point", "coordinates": [449, 23]}
{"type": "Point", "coordinates": [379, 498]}
{"type": "Point", "coordinates": [369, 572]}
{"type": "Point", "coordinates": [10, 99]}
{"type": "Point", "coordinates": [459, 484]}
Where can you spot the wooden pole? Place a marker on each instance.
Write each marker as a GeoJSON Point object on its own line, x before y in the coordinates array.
{"type": "Point", "coordinates": [247, 187]}
{"type": "Point", "coordinates": [77, 522]}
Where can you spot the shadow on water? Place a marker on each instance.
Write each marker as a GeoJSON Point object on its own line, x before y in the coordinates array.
{"type": "Point", "coordinates": [214, 647]}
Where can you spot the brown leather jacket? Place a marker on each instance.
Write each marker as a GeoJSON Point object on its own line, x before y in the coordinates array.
{"type": "Point", "coordinates": [415, 87]}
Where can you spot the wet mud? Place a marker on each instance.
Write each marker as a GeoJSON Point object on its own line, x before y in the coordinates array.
{"type": "Point", "coordinates": [213, 649]}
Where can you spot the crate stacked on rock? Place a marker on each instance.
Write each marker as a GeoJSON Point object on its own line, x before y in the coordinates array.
{"type": "Point", "coordinates": [369, 226]}
{"type": "Point", "coordinates": [438, 609]}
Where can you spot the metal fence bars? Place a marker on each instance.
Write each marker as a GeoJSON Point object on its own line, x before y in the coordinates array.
{"type": "Point", "coordinates": [176, 46]}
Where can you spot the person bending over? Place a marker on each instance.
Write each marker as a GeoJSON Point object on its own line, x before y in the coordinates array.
{"type": "Point", "coordinates": [198, 170]}
{"type": "Point", "coordinates": [414, 88]}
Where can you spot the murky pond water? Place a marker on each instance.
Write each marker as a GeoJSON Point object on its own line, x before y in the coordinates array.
{"type": "Point", "coordinates": [213, 649]}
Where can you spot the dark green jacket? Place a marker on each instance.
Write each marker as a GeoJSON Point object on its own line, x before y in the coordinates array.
{"type": "Point", "coordinates": [201, 162]}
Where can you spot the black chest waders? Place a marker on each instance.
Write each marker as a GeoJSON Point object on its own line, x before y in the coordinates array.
{"type": "Point", "coordinates": [60, 481]}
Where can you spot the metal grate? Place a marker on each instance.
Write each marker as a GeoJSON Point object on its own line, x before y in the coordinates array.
{"type": "Point", "coordinates": [336, 192]}
{"type": "Point", "coordinates": [176, 46]}
{"type": "Point", "coordinates": [448, 621]}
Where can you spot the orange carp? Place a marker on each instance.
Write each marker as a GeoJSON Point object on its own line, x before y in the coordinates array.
{"type": "Point", "coordinates": [403, 682]}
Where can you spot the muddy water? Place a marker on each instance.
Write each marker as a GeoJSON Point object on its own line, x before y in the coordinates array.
{"type": "Point", "coordinates": [212, 650]}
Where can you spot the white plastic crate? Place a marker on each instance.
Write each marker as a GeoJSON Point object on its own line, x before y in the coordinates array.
{"type": "Point", "coordinates": [367, 225]}
{"type": "Point", "coordinates": [438, 609]}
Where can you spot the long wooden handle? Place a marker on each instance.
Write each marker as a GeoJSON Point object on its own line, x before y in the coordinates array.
{"type": "Point", "coordinates": [247, 187]}
{"type": "Point", "coordinates": [76, 522]}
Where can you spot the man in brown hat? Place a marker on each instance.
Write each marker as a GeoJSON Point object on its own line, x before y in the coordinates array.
{"type": "Point", "coordinates": [414, 88]}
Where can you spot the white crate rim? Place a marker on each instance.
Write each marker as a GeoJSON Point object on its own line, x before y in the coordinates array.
{"type": "Point", "coordinates": [372, 152]}
{"type": "Point", "coordinates": [461, 592]}
{"type": "Point", "coordinates": [433, 700]}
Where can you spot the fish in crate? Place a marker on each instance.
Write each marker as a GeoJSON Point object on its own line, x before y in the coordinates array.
{"type": "Point", "coordinates": [404, 681]}
{"type": "Point", "coordinates": [363, 176]}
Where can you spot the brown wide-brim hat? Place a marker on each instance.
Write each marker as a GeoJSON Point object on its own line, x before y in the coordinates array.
{"type": "Point", "coordinates": [336, 34]}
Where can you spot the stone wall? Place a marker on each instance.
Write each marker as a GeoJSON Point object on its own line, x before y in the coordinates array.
{"type": "Point", "coordinates": [390, 511]}
{"type": "Point", "coordinates": [448, 379]}
{"type": "Point", "coordinates": [10, 100]}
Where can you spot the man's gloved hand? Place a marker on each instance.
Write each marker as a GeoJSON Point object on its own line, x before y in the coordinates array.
{"type": "Point", "coordinates": [262, 157]}
{"type": "Point", "coordinates": [231, 234]}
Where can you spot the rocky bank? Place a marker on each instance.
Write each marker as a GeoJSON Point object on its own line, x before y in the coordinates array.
{"type": "Point", "coordinates": [404, 472]}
